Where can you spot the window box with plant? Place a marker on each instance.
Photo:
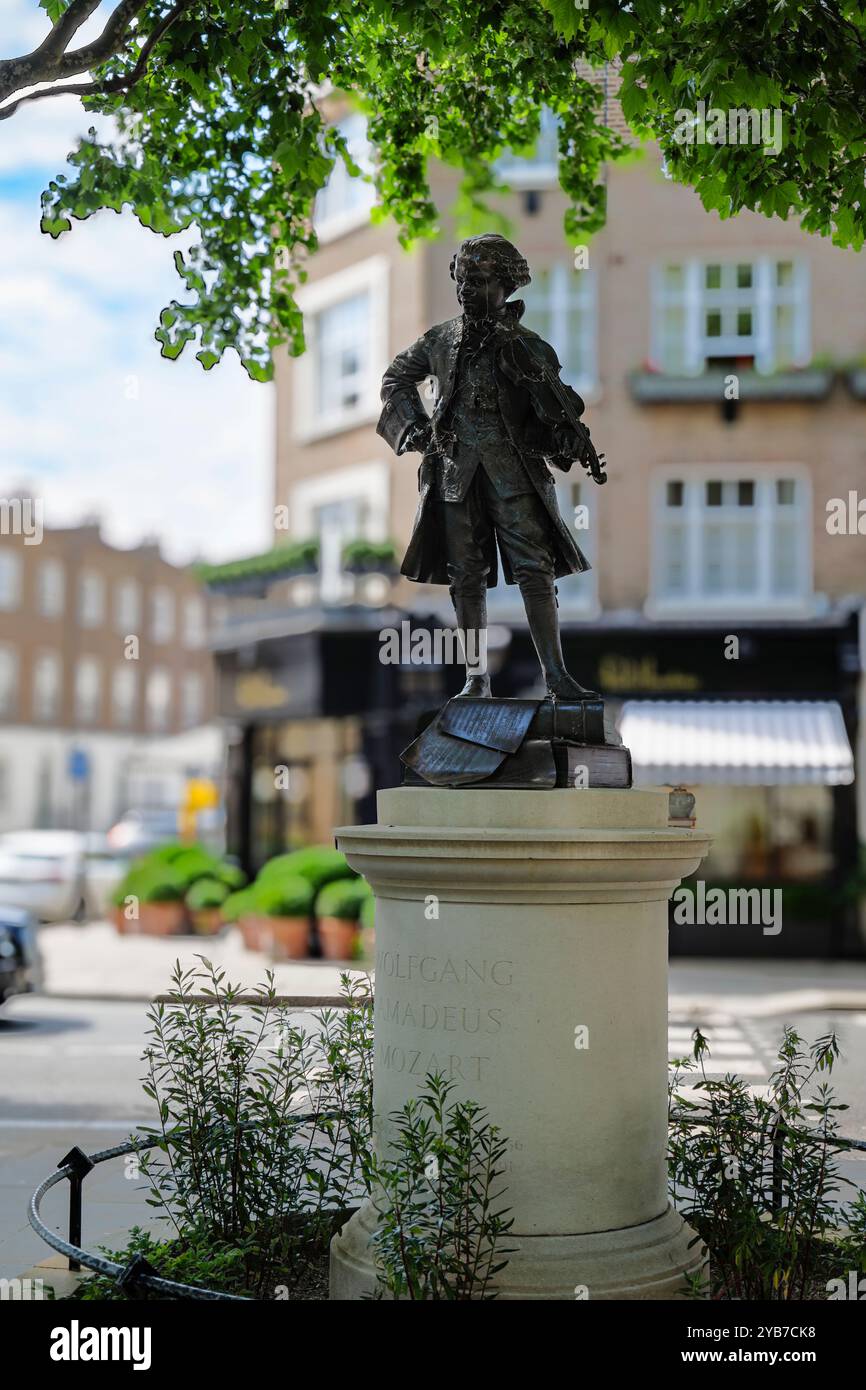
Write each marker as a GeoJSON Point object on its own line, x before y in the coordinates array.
{"type": "Point", "coordinates": [253, 576]}
{"type": "Point", "coordinates": [363, 557]}
{"type": "Point", "coordinates": [657, 388]}
{"type": "Point", "coordinates": [338, 913]}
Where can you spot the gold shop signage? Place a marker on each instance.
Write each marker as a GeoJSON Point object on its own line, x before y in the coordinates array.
{"type": "Point", "coordinates": [623, 673]}
{"type": "Point", "coordinates": [259, 691]}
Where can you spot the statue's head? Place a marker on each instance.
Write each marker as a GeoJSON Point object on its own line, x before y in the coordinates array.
{"type": "Point", "coordinates": [487, 269]}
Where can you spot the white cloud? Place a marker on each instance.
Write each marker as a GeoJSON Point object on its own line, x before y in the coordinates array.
{"type": "Point", "coordinates": [24, 25]}
{"type": "Point", "coordinates": [41, 135]}
{"type": "Point", "coordinates": [96, 420]}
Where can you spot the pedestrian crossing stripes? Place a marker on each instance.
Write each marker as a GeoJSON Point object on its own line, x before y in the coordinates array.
{"type": "Point", "coordinates": [733, 1048]}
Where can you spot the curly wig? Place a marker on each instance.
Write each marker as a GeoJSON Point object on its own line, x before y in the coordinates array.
{"type": "Point", "coordinates": [511, 268]}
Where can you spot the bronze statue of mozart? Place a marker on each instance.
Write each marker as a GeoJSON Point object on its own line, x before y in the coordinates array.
{"type": "Point", "coordinates": [501, 416]}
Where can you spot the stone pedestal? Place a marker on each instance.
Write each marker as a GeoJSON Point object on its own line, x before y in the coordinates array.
{"type": "Point", "coordinates": [521, 948]}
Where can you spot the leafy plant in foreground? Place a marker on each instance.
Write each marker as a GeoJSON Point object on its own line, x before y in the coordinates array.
{"type": "Point", "coordinates": [436, 1193]}
{"type": "Point", "coordinates": [756, 1175]}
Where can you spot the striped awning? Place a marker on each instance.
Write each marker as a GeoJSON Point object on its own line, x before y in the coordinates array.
{"type": "Point", "coordinates": [766, 743]}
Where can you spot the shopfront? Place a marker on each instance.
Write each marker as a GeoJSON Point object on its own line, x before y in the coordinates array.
{"type": "Point", "coordinates": [759, 722]}
{"type": "Point", "coordinates": [760, 729]}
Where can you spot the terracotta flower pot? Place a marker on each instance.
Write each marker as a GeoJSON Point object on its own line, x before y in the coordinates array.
{"type": "Point", "coordinates": [207, 921]}
{"type": "Point", "coordinates": [250, 929]}
{"type": "Point", "coordinates": [161, 919]}
{"type": "Point", "coordinates": [337, 937]}
{"type": "Point", "coordinates": [289, 936]}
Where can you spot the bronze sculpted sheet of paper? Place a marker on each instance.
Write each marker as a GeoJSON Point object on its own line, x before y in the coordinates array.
{"type": "Point", "coordinates": [501, 724]}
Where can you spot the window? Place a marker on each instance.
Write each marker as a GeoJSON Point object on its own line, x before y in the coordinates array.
{"type": "Point", "coordinates": [336, 523]}
{"type": "Point", "coordinates": [542, 166]}
{"type": "Point", "coordinates": [127, 607]}
{"type": "Point", "coordinates": [8, 680]}
{"type": "Point", "coordinates": [341, 340]}
{"type": "Point", "coordinates": [162, 615]}
{"type": "Point", "coordinates": [346, 199]}
{"type": "Point", "coordinates": [158, 699]}
{"type": "Point", "coordinates": [731, 313]}
{"type": "Point", "coordinates": [561, 306]}
{"type": "Point", "coordinates": [345, 504]}
{"type": "Point", "coordinates": [336, 382]}
{"type": "Point", "coordinates": [88, 690]}
{"type": "Point", "coordinates": [10, 579]}
{"type": "Point", "coordinates": [577, 594]}
{"type": "Point", "coordinates": [192, 699]}
{"type": "Point", "coordinates": [728, 539]}
{"type": "Point", "coordinates": [124, 694]}
{"type": "Point", "coordinates": [91, 599]}
{"type": "Point", "coordinates": [194, 623]}
{"type": "Point", "coordinates": [50, 588]}
{"type": "Point", "coordinates": [46, 685]}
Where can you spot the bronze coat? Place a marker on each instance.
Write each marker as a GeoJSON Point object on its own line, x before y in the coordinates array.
{"type": "Point", "coordinates": [531, 414]}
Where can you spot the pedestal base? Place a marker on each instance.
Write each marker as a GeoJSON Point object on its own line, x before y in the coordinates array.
{"type": "Point", "coordinates": [649, 1261]}
{"type": "Point", "coordinates": [521, 952]}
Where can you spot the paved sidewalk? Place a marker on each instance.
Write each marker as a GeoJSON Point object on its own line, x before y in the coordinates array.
{"type": "Point", "coordinates": [94, 962]}
{"type": "Point", "coordinates": [708, 989]}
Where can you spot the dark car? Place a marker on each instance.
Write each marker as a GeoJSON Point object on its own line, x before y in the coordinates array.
{"type": "Point", "coordinates": [20, 961]}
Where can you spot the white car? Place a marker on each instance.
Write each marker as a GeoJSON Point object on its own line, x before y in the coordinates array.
{"type": "Point", "coordinates": [43, 871]}
{"type": "Point", "coordinates": [104, 870]}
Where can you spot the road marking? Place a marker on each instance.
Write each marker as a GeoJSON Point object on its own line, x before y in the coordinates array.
{"type": "Point", "coordinates": [73, 1123]}
{"type": "Point", "coordinates": [731, 1050]}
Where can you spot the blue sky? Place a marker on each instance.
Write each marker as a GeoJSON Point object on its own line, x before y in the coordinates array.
{"type": "Point", "coordinates": [92, 419]}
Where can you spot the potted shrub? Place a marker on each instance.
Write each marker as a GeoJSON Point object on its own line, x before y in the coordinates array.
{"type": "Point", "coordinates": [149, 899]}
{"type": "Point", "coordinates": [338, 910]}
{"type": "Point", "coordinates": [233, 877]}
{"type": "Point", "coordinates": [284, 916]}
{"type": "Point", "coordinates": [318, 864]}
{"type": "Point", "coordinates": [239, 909]}
{"type": "Point", "coordinates": [117, 915]}
{"type": "Point", "coordinates": [161, 909]}
{"type": "Point", "coordinates": [204, 901]}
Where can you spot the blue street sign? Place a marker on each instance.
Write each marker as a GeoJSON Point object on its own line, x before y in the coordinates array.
{"type": "Point", "coordinates": [79, 764]}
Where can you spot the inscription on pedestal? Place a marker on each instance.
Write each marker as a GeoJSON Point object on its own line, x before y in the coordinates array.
{"type": "Point", "coordinates": [440, 1016]}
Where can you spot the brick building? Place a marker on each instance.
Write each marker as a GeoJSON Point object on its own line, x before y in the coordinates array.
{"type": "Point", "coordinates": [102, 652]}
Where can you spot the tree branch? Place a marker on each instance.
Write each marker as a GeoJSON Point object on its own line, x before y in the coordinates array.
{"type": "Point", "coordinates": [110, 41]}
{"type": "Point", "coordinates": [106, 46]}
{"type": "Point", "coordinates": [65, 29]}
{"type": "Point", "coordinates": [51, 61]}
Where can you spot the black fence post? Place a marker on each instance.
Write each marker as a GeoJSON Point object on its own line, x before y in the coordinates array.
{"type": "Point", "coordinates": [79, 1165]}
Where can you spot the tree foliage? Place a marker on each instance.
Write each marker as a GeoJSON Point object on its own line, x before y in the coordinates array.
{"type": "Point", "coordinates": [217, 109]}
